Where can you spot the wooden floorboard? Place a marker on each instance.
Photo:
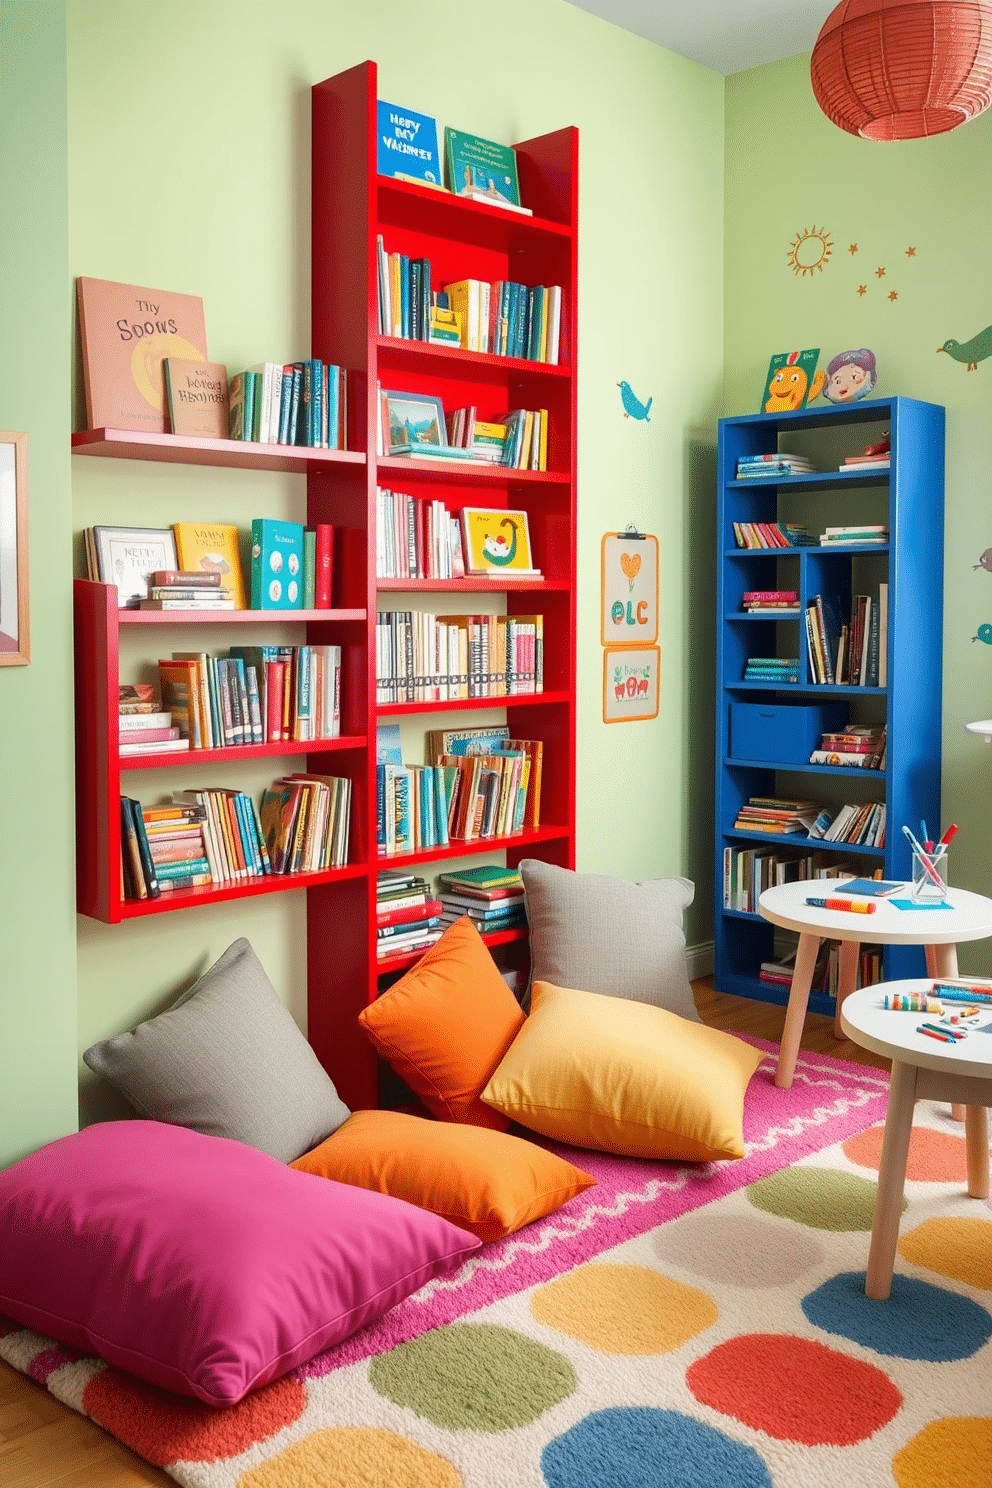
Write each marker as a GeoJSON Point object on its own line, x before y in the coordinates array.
{"type": "Point", "coordinates": [43, 1443]}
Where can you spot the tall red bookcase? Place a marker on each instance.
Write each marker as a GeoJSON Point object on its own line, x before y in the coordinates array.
{"type": "Point", "coordinates": [351, 207]}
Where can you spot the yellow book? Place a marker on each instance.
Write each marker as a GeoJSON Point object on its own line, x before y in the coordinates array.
{"type": "Point", "coordinates": [542, 354]}
{"type": "Point", "coordinates": [524, 461]}
{"type": "Point", "coordinates": [543, 456]}
{"type": "Point", "coordinates": [463, 300]}
{"type": "Point", "coordinates": [210, 547]}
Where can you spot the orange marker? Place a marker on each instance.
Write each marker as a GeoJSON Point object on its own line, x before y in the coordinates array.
{"type": "Point", "coordinates": [856, 906]}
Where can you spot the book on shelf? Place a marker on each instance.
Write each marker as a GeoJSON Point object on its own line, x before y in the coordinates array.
{"type": "Point", "coordinates": [276, 564]}
{"type": "Point", "coordinates": [776, 814]}
{"type": "Point", "coordinates": [126, 332]}
{"type": "Point", "coordinates": [127, 557]}
{"type": "Point", "coordinates": [211, 547]}
{"type": "Point", "coordinates": [772, 535]}
{"type": "Point", "coordinates": [323, 565]}
{"type": "Point", "coordinates": [143, 745]}
{"type": "Point", "coordinates": [407, 145]}
{"type": "Point", "coordinates": [186, 579]}
{"type": "Point", "coordinates": [417, 537]}
{"type": "Point", "coordinates": [496, 540]}
{"type": "Point", "coordinates": [411, 914]}
{"type": "Point", "coordinates": [474, 164]}
{"type": "Point", "coordinates": [487, 879]}
{"type": "Point", "coordinates": [423, 657]}
{"type": "Point", "coordinates": [197, 397]}
{"type": "Point", "coordinates": [762, 466]}
{"type": "Point", "coordinates": [187, 602]}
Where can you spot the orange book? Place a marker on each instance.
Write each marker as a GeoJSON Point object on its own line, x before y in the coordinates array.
{"type": "Point", "coordinates": [212, 547]}
{"type": "Point", "coordinates": [197, 396]}
{"type": "Point", "coordinates": [126, 332]}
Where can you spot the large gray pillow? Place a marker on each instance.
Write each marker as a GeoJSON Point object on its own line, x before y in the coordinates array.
{"type": "Point", "coordinates": [228, 1060]}
{"type": "Point", "coordinates": [607, 935]}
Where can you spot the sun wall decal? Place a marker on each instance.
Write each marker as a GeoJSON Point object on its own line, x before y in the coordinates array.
{"type": "Point", "coordinates": [809, 251]}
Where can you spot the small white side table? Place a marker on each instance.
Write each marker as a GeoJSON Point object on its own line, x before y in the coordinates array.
{"type": "Point", "coordinates": [938, 930]}
{"type": "Point", "coordinates": [922, 1069]}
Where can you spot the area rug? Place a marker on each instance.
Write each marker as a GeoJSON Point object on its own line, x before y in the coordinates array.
{"type": "Point", "coordinates": [674, 1326]}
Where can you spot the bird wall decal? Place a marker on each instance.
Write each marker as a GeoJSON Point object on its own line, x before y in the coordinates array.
{"type": "Point", "coordinates": [985, 561]}
{"type": "Point", "coordinates": [970, 352]}
{"type": "Point", "coordinates": [632, 405]}
{"type": "Point", "coordinates": [984, 634]}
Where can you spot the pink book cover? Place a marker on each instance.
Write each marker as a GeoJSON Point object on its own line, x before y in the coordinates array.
{"type": "Point", "coordinates": [126, 332]}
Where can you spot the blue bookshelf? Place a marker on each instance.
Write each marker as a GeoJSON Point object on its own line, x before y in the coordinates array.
{"type": "Point", "coordinates": [764, 730]}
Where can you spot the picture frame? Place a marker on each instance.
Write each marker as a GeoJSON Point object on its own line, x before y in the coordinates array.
{"type": "Point", "coordinates": [414, 418]}
{"type": "Point", "coordinates": [126, 556]}
{"type": "Point", "coordinates": [497, 541]}
{"type": "Point", "coordinates": [631, 683]}
{"type": "Point", "coordinates": [15, 647]}
{"type": "Point", "coordinates": [629, 589]}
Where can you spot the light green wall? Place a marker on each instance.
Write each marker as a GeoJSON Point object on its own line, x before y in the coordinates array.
{"type": "Point", "coordinates": [37, 946]}
{"type": "Point", "coordinates": [189, 170]}
{"type": "Point", "coordinates": [789, 170]}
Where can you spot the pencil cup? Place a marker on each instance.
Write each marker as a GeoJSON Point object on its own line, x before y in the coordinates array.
{"type": "Point", "coordinates": [930, 876]}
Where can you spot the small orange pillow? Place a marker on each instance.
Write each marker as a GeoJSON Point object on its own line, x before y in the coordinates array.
{"type": "Point", "coordinates": [446, 1024]}
{"type": "Point", "coordinates": [486, 1182]}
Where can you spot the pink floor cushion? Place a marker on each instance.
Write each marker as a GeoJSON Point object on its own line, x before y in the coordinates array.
{"type": "Point", "coordinates": [200, 1264]}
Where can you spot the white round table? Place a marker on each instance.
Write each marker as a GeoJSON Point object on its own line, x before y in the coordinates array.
{"type": "Point", "coordinates": [938, 930]}
{"type": "Point", "coordinates": [923, 1068]}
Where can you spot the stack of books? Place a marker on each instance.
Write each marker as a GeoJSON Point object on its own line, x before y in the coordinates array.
{"type": "Point", "coordinates": [772, 535]}
{"type": "Point", "coordinates": [772, 670]}
{"type": "Point", "coordinates": [777, 603]}
{"type": "Point", "coordinates": [863, 825]}
{"type": "Point", "coordinates": [163, 849]}
{"type": "Point", "coordinates": [860, 744]}
{"type": "Point", "coordinates": [491, 897]}
{"type": "Point", "coordinates": [142, 725]}
{"type": "Point", "coordinates": [777, 816]}
{"type": "Point", "coordinates": [881, 461]}
{"type": "Point", "coordinates": [758, 467]}
{"type": "Point", "coordinates": [417, 537]}
{"type": "Point", "coordinates": [862, 534]}
{"type": "Point", "coordinates": [293, 403]}
{"type": "Point", "coordinates": [187, 590]}
{"type": "Point", "coordinates": [305, 821]}
{"type": "Point", "coordinates": [407, 914]}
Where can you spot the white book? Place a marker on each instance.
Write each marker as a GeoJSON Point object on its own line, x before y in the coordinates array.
{"type": "Point", "coordinates": [554, 323]}
{"type": "Point", "coordinates": [157, 746]}
{"type": "Point", "coordinates": [132, 721]}
{"type": "Point", "coordinates": [883, 635]}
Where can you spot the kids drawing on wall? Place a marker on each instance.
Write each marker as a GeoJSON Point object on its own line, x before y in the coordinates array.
{"type": "Point", "coordinates": [850, 375]}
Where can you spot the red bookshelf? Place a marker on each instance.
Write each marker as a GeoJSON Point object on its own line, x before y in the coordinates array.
{"type": "Point", "coordinates": [350, 206]}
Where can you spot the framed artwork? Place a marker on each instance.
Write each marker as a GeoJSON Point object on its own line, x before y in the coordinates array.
{"type": "Point", "coordinates": [14, 640]}
{"type": "Point", "coordinates": [629, 572]}
{"type": "Point", "coordinates": [630, 683]}
{"type": "Point", "coordinates": [127, 556]}
{"type": "Point", "coordinates": [414, 418]}
{"type": "Point", "coordinates": [496, 541]}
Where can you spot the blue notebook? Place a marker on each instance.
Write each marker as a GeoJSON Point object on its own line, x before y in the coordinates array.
{"type": "Point", "coordinates": [876, 888]}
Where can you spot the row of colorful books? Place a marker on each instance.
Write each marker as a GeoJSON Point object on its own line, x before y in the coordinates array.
{"type": "Point", "coordinates": [749, 871]}
{"type": "Point", "coordinates": [408, 915]}
{"type": "Point", "coordinates": [253, 695]}
{"type": "Point", "coordinates": [776, 816]}
{"type": "Point", "coordinates": [761, 467]}
{"type": "Point", "coordinates": [292, 566]}
{"type": "Point", "coordinates": [863, 824]}
{"type": "Point", "coordinates": [291, 403]}
{"type": "Point", "coordinates": [826, 970]}
{"type": "Point", "coordinates": [772, 535]}
{"type": "Point", "coordinates": [422, 657]}
{"type": "Point", "coordinates": [773, 670]}
{"type": "Point", "coordinates": [850, 651]}
{"type": "Point", "coordinates": [417, 537]}
{"type": "Point", "coordinates": [461, 798]}
{"type": "Point", "coordinates": [861, 746]}
{"type": "Point", "coordinates": [305, 819]}
{"type": "Point", "coordinates": [519, 439]}
{"type": "Point", "coordinates": [778, 604]}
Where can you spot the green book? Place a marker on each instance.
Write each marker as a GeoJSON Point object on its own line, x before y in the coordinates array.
{"type": "Point", "coordinates": [480, 167]}
{"type": "Point", "coordinates": [489, 876]}
{"type": "Point", "coordinates": [309, 567]}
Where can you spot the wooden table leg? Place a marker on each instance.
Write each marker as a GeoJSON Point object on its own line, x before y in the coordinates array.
{"type": "Point", "coordinates": [942, 961]}
{"type": "Point", "coordinates": [891, 1181]}
{"type": "Point", "coordinates": [847, 979]}
{"type": "Point", "coordinates": [977, 1142]}
{"type": "Point", "coordinates": [795, 1013]}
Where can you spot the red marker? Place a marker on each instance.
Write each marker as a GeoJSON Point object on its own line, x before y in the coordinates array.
{"type": "Point", "coordinates": [948, 835]}
{"type": "Point", "coordinates": [855, 906]}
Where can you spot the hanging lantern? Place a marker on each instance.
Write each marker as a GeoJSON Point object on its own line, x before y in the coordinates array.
{"type": "Point", "coordinates": [903, 69]}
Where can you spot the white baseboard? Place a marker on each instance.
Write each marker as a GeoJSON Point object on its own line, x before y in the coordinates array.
{"type": "Point", "coordinates": [699, 960]}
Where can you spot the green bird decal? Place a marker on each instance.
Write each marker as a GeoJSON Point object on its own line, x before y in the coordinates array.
{"type": "Point", "coordinates": [984, 634]}
{"type": "Point", "coordinates": [971, 352]}
{"type": "Point", "coordinates": [496, 550]}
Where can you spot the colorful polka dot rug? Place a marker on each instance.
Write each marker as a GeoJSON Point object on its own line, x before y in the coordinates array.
{"type": "Point", "coordinates": [677, 1326]}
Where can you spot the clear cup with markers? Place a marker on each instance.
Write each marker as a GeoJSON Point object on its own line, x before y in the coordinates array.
{"type": "Point", "coordinates": [929, 884]}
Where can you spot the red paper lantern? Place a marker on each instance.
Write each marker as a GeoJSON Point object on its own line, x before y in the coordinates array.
{"type": "Point", "coordinates": [903, 69]}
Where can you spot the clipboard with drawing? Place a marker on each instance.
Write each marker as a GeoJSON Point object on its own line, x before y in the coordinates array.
{"type": "Point", "coordinates": [629, 577]}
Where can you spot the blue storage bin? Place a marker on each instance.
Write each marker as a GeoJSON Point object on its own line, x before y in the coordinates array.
{"type": "Point", "coordinates": [783, 732]}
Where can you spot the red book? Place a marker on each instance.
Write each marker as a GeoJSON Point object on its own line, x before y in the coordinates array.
{"type": "Point", "coordinates": [323, 578]}
{"type": "Point", "coordinates": [412, 915]}
{"type": "Point", "coordinates": [274, 673]}
{"type": "Point", "coordinates": [186, 578]}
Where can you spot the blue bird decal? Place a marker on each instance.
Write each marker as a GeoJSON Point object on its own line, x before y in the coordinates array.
{"type": "Point", "coordinates": [984, 634]}
{"type": "Point", "coordinates": [632, 405]}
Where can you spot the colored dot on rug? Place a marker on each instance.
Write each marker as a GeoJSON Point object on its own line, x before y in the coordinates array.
{"type": "Point", "coordinates": [934, 1156]}
{"type": "Point", "coordinates": [623, 1309]}
{"type": "Point", "coordinates": [960, 1249]}
{"type": "Point", "coordinates": [166, 1428]}
{"type": "Point", "coordinates": [354, 1457]}
{"type": "Point", "coordinates": [822, 1198]}
{"type": "Point", "coordinates": [634, 1447]}
{"type": "Point", "coordinates": [955, 1452]}
{"type": "Point", "coordinates": [740, 1249]}
{"type": "Point", "coordinates": [918, 1321]}
{"type": "Point", "coordinates": [474, 1377]}
{"type": "Point", "coordinates": [764, 1380]}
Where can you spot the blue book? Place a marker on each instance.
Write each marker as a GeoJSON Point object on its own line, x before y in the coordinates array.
{"type": "Point", "coordinates": [380, 807]}
{"type": "Point", "coordinates": [407, 144]}
{"type": "Point", "coordinates": [387, 744]}
{"type": "Point", "coordinates": [276, 564]}
{"type": "Point", "coordinates": [441, 806]}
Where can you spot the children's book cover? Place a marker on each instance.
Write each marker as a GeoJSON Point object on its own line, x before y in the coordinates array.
{"type": "Point", "coordinates": [126, 333]}
{"type": "Point", "coordinates": [198, 397]}
{"type": "Point", "coordinates": [792, 381]}
{"type": "Point", "coordinates": [496, 541]}
{"type": "Point", "coordinates": [212, 547]}
{"type": "Point", "coordinates": [407, 144]}
{"type": "Point", "coordinates": [481, 166]}
{"type": "Point", "coordinates": [276, 564]}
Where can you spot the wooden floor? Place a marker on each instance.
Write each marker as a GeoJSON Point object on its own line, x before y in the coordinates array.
{"type": "Point", "coordinates": [45, 1443]}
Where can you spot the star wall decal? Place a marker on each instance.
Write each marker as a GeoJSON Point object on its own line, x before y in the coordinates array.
{"type": "Point", "coordinates": [853, 248]}
{"type": "Point", "coordinates": [862, 289]}
{"type": "Point", "coordinates": [910, 252]}
{"type": "Point", "coordinates": [893, 295]}
{"type": "Point", "coordinates": [879, 273]}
